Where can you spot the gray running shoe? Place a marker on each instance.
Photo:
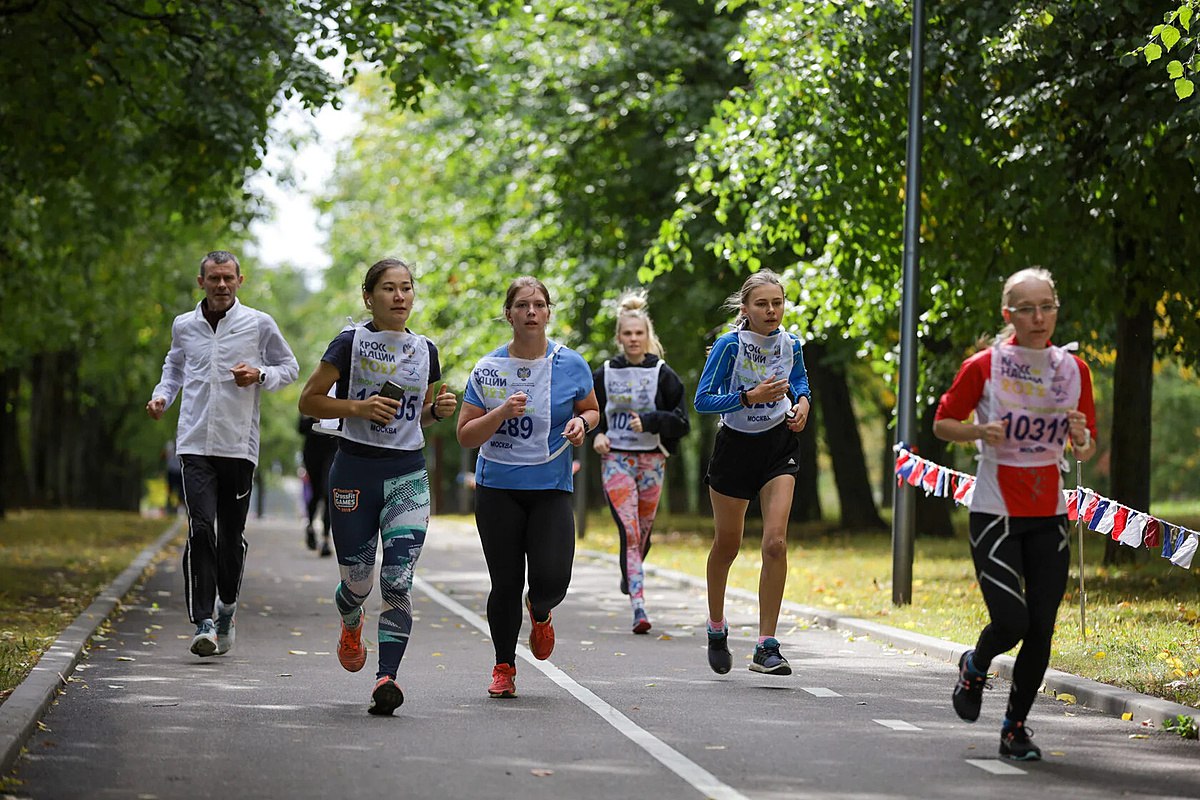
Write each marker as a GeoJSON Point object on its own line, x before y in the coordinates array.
{"type": "Point", "coordinates": [226, 632]}
{"type": "Point", "coordinates": [204, 643]}
{"type": "Point", "coordinates": [768, 660]}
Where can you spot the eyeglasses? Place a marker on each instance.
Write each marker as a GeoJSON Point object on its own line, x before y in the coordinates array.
{"type": "Point", "coordinates": [1028, 311]}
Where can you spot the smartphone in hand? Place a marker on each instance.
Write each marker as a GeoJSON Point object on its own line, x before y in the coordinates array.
{"type": "Point", "coordinates": [392, 391]}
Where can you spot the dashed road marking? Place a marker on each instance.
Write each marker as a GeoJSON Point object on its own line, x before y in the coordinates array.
{"type": "Point", "coordinates": [995, 767]}
{"type": "Point", "coordinates": [820, 691]}
{"type": "Point", "coordinates": [897, 724]}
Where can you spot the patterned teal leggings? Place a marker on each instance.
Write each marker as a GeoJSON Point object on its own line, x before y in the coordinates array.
{"type": "Point", "coordinates": [370, 502]}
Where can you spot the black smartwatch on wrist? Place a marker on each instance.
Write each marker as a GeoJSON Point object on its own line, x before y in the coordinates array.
{"type": "Point", "coordinates": [744, 398]}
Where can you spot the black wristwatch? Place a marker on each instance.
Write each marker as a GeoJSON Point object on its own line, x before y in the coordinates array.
{"type": "Point", "coordinates": [586, 428]}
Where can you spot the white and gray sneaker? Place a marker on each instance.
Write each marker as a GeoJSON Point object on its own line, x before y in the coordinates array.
{"type": "Point", "coordinates": [226, 632]}
{"type": "Point", "coordinates": [204, 643]}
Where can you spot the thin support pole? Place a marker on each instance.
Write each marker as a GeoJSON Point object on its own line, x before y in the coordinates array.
{"type": "Point", "coordinates": [904, 501]}
{"type": "Point", "coordinates": [1079, 529]}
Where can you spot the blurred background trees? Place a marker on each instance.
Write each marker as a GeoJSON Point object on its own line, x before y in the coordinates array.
{"type": "Point", "coordinates": [676, 144]}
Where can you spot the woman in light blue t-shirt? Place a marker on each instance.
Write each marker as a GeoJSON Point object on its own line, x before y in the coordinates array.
{"type": "Point", "coordinates": [525, 406]}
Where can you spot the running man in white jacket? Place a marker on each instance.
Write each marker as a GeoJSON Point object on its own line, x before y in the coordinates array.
{"type": "Point", "coordinates": [222, 355]}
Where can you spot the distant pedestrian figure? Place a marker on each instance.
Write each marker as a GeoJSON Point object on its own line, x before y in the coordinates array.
{"type": "Point", "coordinates": [645, 416]}
{"type": "Point", "coordinates": [317, 453]}
{"type": "Point", "coordinates": [755, 379]}
{"type": "Point", "coordinates": [384, 376]}
{"type": "Point", "coordinates": [174, 470]}
{"type": "Point", "coordinates": [223, 354]}
{"type": "Point", "coordinates": [526, 404]}
{"type": "Point", "coordinates": [1029, 397]}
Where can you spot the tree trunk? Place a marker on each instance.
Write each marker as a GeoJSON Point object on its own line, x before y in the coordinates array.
{"type": "Point", "coordinates": [8, 435]}
{"type": "Point", "coordinates": [1133, 381]}
{"type": "Point", "coordinates": [932, 513]}
{"type": "Point", "coordinates": [806, 500]}
{"type": "Point", "coordinates": [840, 426]}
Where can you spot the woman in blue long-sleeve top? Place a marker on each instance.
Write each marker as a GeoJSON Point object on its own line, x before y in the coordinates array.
{"type": "Point", "coordinates": [754, 378]}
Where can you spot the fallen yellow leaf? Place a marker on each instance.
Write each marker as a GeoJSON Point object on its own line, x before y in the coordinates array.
{"type": "Point", "coordinates": [1069, 699]}
{"type": "Point", "coordinates": [1127, 716]}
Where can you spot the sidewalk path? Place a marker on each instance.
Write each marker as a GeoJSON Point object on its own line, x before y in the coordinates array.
{"type": "Point", "coordinates": [610, 715]}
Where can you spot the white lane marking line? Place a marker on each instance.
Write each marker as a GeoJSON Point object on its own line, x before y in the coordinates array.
{"type": "Point", "coordinates": [820, 691]}
{"type": "Point", "coordinates": [995, 767]}
{"type": "Point", "coordinates": [699, 778]}
{"type": "Point", "coordinates": [896, 724]}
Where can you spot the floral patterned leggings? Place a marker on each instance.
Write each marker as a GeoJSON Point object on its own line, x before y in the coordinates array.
{"type": "Point", "coordinates": [633, 485]}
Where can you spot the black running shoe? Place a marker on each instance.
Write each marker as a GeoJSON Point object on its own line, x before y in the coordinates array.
{"type": "Point", "coordinates": [968, 692]}
{"type": "Point", "coordinates": [310, 537]}
{"type": "Point", "coordinates": [1016, 744]}
{"type": "Point", "coordinates": [719, 657]}
{"type": "Point", "coordinates": [386, 697]}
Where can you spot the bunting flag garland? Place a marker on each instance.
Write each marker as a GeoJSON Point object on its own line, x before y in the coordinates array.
{"type": "Point", "coordinates": [930, 479]}
{"type": "Point", "coordinates": [1153, 535]}
{"type": "Point", "coordinates": [1185, 551]}
{"type": "Point", "coordinates": [1120, 520]}
{"type": "Point", "coordinates": [1132, 535]}
{"type": "Point", "coordinates": [1109, 519]}
{"type": "Point", "coordinates": [1168, 547]}
{"type": "Point", "coordinates": [1128, 526]}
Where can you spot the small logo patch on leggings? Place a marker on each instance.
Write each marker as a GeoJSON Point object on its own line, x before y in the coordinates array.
{"type": "Point", "coordinates": [345, 499]}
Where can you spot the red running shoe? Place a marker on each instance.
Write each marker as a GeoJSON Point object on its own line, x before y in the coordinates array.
{"type": "Point", "coordinates": [504, 682]}
{"type": "Point", "coordinates": [541, 634]}
{"type": "Point", "coordinates": [351, 651]}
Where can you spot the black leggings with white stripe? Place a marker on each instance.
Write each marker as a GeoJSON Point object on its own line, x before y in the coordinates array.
{"type": "Point", "coordinates": [1021, 564]}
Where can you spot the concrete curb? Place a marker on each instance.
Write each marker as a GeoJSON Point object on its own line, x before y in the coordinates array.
{"type": "Point", "coordinates": [24, 707]}
{"type": "Point", "coordinates": [1091, 694]}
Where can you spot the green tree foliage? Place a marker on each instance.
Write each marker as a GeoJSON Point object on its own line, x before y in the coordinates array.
{"type": "Point", "coordinates": [1040, 148]}
{"type": "Point", "coordinates": [1174, 42]}
{"type": "Point", "coordinates": [562, 165]}
{"type": "Point", "coordinates": [127, 130]}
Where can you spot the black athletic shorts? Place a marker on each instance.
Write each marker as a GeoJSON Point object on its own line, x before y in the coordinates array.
{"type": "Point", "coordinates": [742, 463]}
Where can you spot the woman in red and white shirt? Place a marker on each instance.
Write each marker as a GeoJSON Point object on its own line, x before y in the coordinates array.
{"type": "Point", "coordinates": [1029, 398]}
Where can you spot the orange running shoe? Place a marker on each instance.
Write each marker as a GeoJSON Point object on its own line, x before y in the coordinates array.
{"type": "Point", "coordinates": [351, 651]}
{"type": "Point", "coordinates": [541, 634]}
{"type": "Point", "coordinates": [386, 697]}
{"type": "Point", "coordinates": [504, 682]}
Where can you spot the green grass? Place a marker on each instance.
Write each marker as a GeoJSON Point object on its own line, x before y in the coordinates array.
{"type": "Point", "coordinates": [52, 565]}
{"type": "Point", "coordinates": [1143, 631]}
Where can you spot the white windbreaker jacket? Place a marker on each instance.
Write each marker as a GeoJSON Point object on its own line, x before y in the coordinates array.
{"type": "Point", "coordinates": [216, 416]}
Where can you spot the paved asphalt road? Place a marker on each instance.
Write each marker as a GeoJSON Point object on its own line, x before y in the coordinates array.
{"type": "Point", "coordinates": [611, 715]}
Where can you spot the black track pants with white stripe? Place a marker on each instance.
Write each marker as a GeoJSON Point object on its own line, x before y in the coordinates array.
{"type": "Point", "coordinates": [1021, 564]}
{"type": "Point", "coordinates": [216, 491]}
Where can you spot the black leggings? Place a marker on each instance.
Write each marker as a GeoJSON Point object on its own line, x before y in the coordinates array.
{"type": "Point", "coordinates": [518, 526]}
{"type": "Point", "coordinates": [1021, 564]}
